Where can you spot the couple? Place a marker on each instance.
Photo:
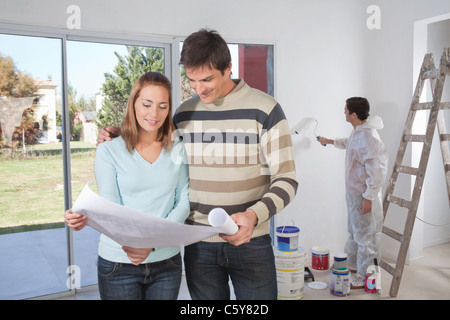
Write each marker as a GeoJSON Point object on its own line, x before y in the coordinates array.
{"type": "Point", "coordinates": [136, 170]}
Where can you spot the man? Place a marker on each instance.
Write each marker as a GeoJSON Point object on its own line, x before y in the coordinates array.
{"type": "Point", "coordinates": [365, 172]}
{"type": "Point", "coordinates": [240, 159]}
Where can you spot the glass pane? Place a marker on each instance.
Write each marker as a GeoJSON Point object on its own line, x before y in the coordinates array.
{"type": "Point", "coordinates": [32, 238]}
{"type": "Point", "coordinates": [100, 79]}
{"type": "Point", "coordinates": [256, 66]}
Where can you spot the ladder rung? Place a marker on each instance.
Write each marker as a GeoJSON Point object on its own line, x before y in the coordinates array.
{"type": "Point", "coordinates": [423, 106]}
{"type": "Point", "coordinates": [399, 201]}
{"type": "Point", "coordinates": [445, 137]}
{"type": "Point", "coordinates": [408, 170]}
{"type": "Point", "coordinates": [414, 137]}
{"type": "Point", "coordinates": [430, 74]}
{"type": "Point", "coordinates": [393, 234]}
{"type": "Point", "coordinates": [386, 266]}
{"type": "Point", "coordinates": [429, 105]}
{"type": "Point", "coordinates": [447, 167]}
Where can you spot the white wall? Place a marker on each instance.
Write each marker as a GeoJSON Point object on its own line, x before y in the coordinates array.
{"type": "Point", "coordinates": [435, 200]}
{"type": "Point", "coordinates": [324, 54]}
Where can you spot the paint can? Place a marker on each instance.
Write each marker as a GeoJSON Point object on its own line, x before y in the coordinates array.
{"type": "Point", "coordinates": [340, 261]}
{"type": "Point", "coordinates": [340, 282]}
{"type": "Point", "coordinates": [320, 259]}
{"type": "Point", "coordinates": [287, 238]}
{"type": "Point", "coordinates": [290, 269]}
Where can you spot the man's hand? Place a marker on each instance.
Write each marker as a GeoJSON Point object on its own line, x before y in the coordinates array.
{"type": "Point", "coordinates": [246, 222]}
{"type": "Point", "coordinates": [366, 206]}
{"type": "Point", "coordinates": [137, 256]}
{"type": "Point", "coordinates": [106, 133]}
{"type": "Point", "coordinates": [324, 141]}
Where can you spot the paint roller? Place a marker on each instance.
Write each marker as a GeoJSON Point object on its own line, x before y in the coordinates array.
{"type": "Point", "coordinates": [304, 124]}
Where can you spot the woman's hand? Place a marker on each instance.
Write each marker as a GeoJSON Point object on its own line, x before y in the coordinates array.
{"type": "Point", "coordinates": [137, 256]}
{"type": "Point", "coordinates": [75, 221]}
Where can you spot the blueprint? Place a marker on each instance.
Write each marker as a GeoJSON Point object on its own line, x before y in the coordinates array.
{"type": "Point", "coordinates": [137, 229]}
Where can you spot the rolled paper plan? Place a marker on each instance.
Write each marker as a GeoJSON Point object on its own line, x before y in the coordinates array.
{"type": "Point", "coordinates": [137, 229]}
{"type": "Point", "coordinates": [219, 218]}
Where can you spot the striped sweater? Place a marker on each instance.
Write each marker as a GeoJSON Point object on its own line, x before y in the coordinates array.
{"type": "Point", "coordinates": [240, 156]}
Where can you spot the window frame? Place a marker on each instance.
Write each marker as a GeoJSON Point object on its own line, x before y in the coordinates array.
{"type": "Point", "coordinates": [170, 44]}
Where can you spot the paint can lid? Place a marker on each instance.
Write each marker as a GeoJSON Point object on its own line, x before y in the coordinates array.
{"type": "Point", "coordinates": [320, 250]}
{"type": "Point", "coordinates": [340, 257]}
{"type": "Point", "coordinates": [317, 285]}
{"type": "Point", "coordinates": [288, 229]}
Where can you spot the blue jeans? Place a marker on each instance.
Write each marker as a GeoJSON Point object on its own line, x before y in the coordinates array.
{"type": "Point", "coordinates": [151, 281]}
{"type": "Point", "coordinates": [250, 266]}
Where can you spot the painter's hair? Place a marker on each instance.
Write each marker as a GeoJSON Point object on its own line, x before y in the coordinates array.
{"type": "Point", "coordinates": [130, 127]}
{"type": "Point", "coordinates": [360, 106]}
{"type": "Point", "coordinates": [205, 48]}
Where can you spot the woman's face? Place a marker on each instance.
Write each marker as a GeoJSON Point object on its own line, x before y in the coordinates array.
{"type": "Point", "coordinates": [151, 108]}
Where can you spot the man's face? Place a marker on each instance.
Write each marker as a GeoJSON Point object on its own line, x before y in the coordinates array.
{"type": "Point", "coordinates": [348, 118]}
{"type": "Point", "coordinates": [210, 84]}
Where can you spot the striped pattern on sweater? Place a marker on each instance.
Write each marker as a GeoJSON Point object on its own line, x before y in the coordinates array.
{"type": "Point", "coordinates": [240, 156]}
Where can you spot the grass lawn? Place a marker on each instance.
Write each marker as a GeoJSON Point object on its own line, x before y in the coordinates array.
{"type": "Point", "coordinates": [32, 187]}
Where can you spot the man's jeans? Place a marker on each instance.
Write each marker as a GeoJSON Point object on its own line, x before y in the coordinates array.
{"type": "Point", "coordinates": [152, 281]}
{"type": "Point", "coordinates": [250, 266]}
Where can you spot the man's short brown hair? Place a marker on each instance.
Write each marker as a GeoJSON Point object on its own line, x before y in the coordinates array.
{"type": "Point", "coordinates": [205, 48]}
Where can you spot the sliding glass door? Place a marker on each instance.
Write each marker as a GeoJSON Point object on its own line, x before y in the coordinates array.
{"type": "Point", "coordinates": [32, 235]}
{"type": "Point", "coordinates": [100, 77]}
{"type": "Point", "coordinates": [55, 92]}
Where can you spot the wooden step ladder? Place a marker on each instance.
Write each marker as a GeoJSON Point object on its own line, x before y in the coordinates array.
{"type": "Point", "coordinates": [436, 77]}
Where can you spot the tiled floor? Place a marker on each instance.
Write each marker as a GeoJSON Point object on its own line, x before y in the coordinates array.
{"type": "Point", "coordinates": [34, 264]}
{"type": "Point", "coordinates": [428, 279]}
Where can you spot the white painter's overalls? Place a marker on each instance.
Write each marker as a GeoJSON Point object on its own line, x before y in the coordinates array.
{"type": "Point", "coordinates": [365, 171]}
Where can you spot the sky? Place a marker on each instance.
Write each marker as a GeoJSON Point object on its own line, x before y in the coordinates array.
{"type": "Point", "coordinates": [41, 58]}
{"type": "Point", "coordinates": [86, 62]}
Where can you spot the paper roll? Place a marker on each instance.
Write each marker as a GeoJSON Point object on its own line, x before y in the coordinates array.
{"type": "Point", "coordinates": [219, 218]}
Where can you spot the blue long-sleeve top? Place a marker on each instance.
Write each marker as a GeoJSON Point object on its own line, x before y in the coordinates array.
{"type": "Point", "coordinates": [160, 188]}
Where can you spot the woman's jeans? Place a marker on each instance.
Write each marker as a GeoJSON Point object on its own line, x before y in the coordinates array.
{"type": "Point", "coordinates": [151, 281]}
{"type": "Point", "coordinates": [250, 266]}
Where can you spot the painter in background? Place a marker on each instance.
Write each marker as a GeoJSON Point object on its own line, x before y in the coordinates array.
{"type": "Point", "coordinates": [365, 171]}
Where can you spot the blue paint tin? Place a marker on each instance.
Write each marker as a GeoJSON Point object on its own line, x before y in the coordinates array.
{"type": "Point", "coordinates": [287, 238]}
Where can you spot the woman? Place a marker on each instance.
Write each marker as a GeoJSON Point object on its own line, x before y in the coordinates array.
{"type": "Point", "coordinates": [138, 170]}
